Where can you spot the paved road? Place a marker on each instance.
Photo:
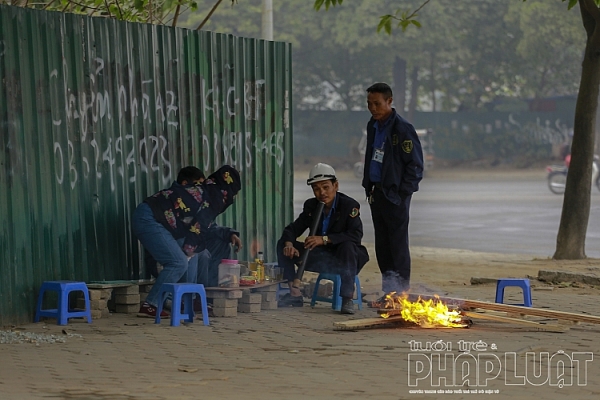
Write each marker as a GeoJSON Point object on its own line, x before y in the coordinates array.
{"type": "Point", "coordinates": [478, 213]}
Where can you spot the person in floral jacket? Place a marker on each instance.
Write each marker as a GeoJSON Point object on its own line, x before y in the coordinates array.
{"type": "Point", "coordinates": [171, 224]}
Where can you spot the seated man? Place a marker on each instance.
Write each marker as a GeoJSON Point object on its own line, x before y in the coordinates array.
{"type": "Point", "coordinates": [171, 224]}
{"type": "Point", "coordinates": [334, 248]}
{"type": "Point", "coordinates": [217, 241]}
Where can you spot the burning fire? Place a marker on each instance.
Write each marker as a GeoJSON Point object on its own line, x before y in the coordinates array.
{"type": "Point", "coordinates": [426, 313]}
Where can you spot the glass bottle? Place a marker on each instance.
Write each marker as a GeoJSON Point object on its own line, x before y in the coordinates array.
{"type": "Point", "coordinates": [260, 266]}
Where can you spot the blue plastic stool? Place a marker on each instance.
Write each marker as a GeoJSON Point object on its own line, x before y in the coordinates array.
{"type": "Point", "coordinates": [522, 283]}
{"type": "Point", "coordinates": [282, 290]}
{"type": "Point", "coordinates": [62, 312]}
{"type": "Point", "coordinates": [181, 291]}
{"type": "Point", "coordinates": [335, 299]}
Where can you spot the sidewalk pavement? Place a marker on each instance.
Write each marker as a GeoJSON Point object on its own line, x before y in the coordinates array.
{"type": "Point", "coordinates": [295, 353]}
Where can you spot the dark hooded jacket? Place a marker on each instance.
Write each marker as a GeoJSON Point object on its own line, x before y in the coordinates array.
{"type": "Point", "coordinates": [188, 211]}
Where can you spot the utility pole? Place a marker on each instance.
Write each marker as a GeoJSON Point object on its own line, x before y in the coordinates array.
{"type": "Point", "coordinates": [267, 19]}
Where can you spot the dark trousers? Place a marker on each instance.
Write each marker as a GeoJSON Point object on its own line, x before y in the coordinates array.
{"type": "Point", "coordinates": [344, 259]}
{"type": "Point", "coordinates": [391, 241]}
{"type": "Point", "coordinates": [209, 260]}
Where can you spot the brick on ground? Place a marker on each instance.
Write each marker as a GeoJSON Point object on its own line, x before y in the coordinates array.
{"type": "Point", "coordinates": [270, 288]}
{"type": "Point", "coordinates": [99, 304]}
{"type": "Point", "coordinates": [131, 289]}
{"type": "Point", "coordinates": [127, 308]}
{"type": "Point", "coordinates": [127, 298]}
{"type": "Point", "coordinates": [249, 307]}
{"type": "Point", "coordinates": [251, 298]}
{"type": "Point", "coordinates": [268, 296]}
{"type": "Point", "coordinates": [98, 294]}
{"type": "Point", "coordinates": [268, 305]}
{"type": "Point", "coordinates": [95, 294]}
{"type": "Point", "coordinates": [225, 311]}
{"type": "Point", "coordinates": [225, 303]}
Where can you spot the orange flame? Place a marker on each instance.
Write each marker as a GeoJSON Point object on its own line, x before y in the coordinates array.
{"type": "Point", "coordinates": [426, 313]}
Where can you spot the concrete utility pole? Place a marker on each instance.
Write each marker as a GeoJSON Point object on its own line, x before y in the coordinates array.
{"type": "Point", "coordinates": [267, 19]}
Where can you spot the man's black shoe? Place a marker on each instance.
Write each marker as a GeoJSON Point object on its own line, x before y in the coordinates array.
{"type": "Point", "coordinates": [288, 300]}
{"type": "Point", "coordinates": [347, 306]}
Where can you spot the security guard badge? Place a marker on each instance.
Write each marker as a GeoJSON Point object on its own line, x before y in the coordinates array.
{"type": "Point", "coordinates": [354, 212]}
{"type": "Point", "coordinates": [407, 146]}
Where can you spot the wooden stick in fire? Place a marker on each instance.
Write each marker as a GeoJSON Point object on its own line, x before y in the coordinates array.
{"type": "Point", "coordinates": [313, 230]}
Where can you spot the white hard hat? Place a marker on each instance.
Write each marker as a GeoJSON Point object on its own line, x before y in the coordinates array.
{"type": "Point", "coordinates": [321, 172]}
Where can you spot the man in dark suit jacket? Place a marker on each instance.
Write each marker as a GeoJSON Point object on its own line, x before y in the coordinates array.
{"type": "Point", "coordinates": [334, 248]}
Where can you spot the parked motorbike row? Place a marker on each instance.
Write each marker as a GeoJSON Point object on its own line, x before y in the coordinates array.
{"type": "Point", "coordinates": [557, 175]}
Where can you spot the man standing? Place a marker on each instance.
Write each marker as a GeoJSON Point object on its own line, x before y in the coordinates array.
{"type": "Point", "coordinates": [393, 170]}
{"type": "Point", "coordinates": [335, 246]}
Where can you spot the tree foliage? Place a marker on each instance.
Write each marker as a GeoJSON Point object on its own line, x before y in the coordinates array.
{"type": "Point", "coordinates": [163, 12]}
{"type": "Point", "coordinates": [544, 74]}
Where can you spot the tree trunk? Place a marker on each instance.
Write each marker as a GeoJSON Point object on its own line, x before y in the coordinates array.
{"type": "Point", "coordinates": [570, 242]}
{"type": "Point", "coordinates": [399, 73]}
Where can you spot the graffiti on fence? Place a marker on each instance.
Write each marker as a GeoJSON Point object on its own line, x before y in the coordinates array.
{"type": "Point", "coordinates": [85, 108]}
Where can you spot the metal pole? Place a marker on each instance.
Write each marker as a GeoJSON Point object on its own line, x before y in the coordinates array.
{"type": "Point", "coordinates": [267, 19]}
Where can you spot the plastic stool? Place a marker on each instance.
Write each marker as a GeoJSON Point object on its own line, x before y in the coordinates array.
{"type": "Point", "coordinates": [522, 283]}
{"type": "Point", "coordinates": [282, 290]}
{"type": "Point", "coordinates": [182, 291]}
{"type": "Point", "coordinates": [62, 312]}
{"type": "Point", "coordinates": [335, 299]}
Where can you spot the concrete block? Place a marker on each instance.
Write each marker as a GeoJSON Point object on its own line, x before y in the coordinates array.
{"type": "Point", "coordinates": [251, 298]}
{"type": "Point", "coordinates": [133, 289]}
{"type": "Point", "coordinates": [249, 308]}
{"type": "Point", "coordinates": [95, 294]}
{"type": "Point", "coordinates": [225, 311]}
{"type": "Point", "coordinates": [225, 303]}
{"type": "Point", "coordinates": [98, 304]}
{"type": "Point", "coordinates": [224, 294]}
{"type": "Point", "coordinates": [270, 288]}
{"type": "Point", "coordinates": [127, 298]}
{"type": "Point", "coordinates": [106, 294]}
{"type": "Point", "coordinates": [127, 308]}
{"type": "Point", "coordinates": [268, 305]}
{"type": "Point", "coordinates": [96, 314]}
{"type": "Point", "coordinates": [268, 296]}
{"type": "Point", "coordinates": [105, 313]}
{"type": "Point", "coordinates": [143, 297]}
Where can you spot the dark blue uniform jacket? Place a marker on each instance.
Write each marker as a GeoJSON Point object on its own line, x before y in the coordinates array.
{"type": "Point", "coordinates": [402, 168]}
{"type": "Point", "coordinates": [345, 225]}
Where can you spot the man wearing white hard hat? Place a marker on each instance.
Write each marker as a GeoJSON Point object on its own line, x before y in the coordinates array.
{"type": "Point", "coordinates": [335, 246]}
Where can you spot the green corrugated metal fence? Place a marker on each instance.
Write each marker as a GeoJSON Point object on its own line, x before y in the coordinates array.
{"type": "Point", "coordinates": [97, 114]}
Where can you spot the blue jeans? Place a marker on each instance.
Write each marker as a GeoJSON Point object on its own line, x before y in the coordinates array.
{"type": "Point", "coordinates": [165, 249]}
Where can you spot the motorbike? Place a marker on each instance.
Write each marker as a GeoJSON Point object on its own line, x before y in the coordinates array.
{"type": "Point", "coordinates": [557, 175]}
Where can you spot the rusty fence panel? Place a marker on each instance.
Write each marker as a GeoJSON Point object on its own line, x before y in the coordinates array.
{"type": "Point", "coordinates": [97, 114]}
